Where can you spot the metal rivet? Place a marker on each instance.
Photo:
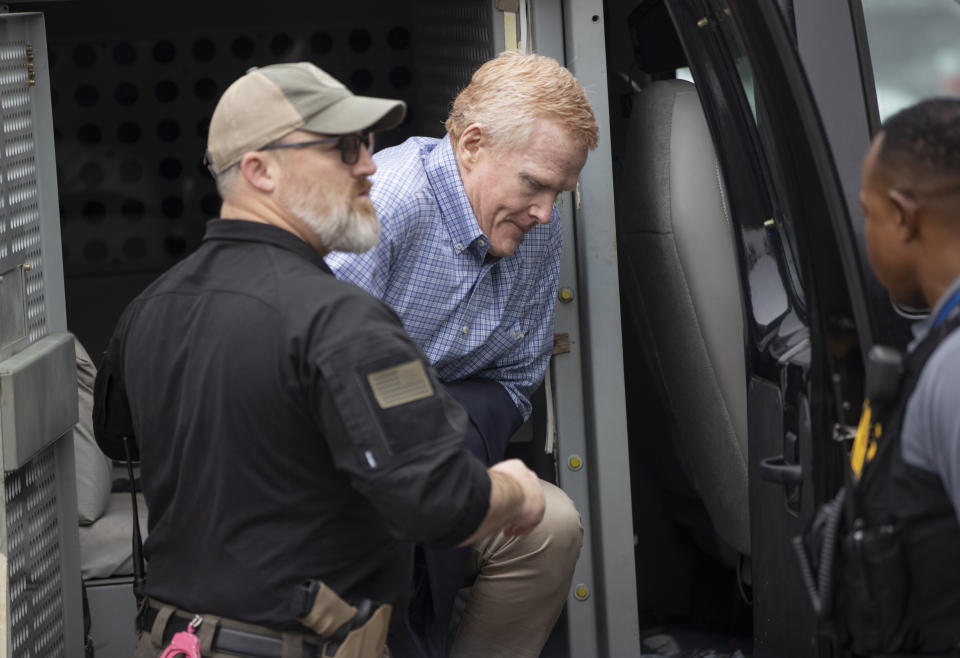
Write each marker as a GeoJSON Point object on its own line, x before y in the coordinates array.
{"type": "Point", "coordinates": [565, 295]}
{"type": "Point", "coordinates": [769, 223]}
{"type": "Point", "coordinates": [26, 266]}
{"type": "Point", "coordinates": [575, 462]}
{"type": "Point", "coordinates": [581, 593]}
{"type": "Point", "coordinates": [703, 22]}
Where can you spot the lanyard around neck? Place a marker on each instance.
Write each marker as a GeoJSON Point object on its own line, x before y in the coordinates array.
{"type": "Point", "coordinates": [942, 315]}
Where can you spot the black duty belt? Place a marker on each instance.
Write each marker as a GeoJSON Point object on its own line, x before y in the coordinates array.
{"type": "Point", "coordinates": [232, 640]}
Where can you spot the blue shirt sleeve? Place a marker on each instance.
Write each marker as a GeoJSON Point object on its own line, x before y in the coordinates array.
{"type": "Point", "coordinates": [931, 428]}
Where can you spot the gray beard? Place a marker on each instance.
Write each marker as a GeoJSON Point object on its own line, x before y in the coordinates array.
{"type": "Point", "coordinates": [344, 229]}
{"type": "Point", "coordinates": [351, 231]}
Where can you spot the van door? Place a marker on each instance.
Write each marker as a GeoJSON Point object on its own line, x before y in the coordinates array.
{"type": "Point", "coordinates": [807, 321]}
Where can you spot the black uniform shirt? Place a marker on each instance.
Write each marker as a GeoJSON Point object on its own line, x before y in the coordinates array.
{"type": "Point", "coordinates": [287, 428]}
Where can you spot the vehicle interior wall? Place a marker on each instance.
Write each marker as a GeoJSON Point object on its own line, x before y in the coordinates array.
{"type": "Point", "coordinates": [134, 85]}
{"type": "Point", "coordinates": [686, 575]}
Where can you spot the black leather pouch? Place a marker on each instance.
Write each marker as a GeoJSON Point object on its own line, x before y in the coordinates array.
{"type": "Point", "coordinates": [874, 591]}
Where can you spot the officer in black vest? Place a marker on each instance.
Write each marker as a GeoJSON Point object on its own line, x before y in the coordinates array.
{"type": "Point", "coordinates": [900, 570]}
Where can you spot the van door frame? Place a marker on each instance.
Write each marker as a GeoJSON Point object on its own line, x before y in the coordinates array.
{"type": "Point", "coordinates": [588, 383]}
{"type": "Point", "coordinates": [826, 396]}
{"type": "Point", "coordinates": [836, 59]}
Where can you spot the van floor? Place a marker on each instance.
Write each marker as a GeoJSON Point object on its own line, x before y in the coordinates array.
{"type": "Point", "coordinates": [692, 643]}
{"type": "Point", "coordinates": [664, 642]}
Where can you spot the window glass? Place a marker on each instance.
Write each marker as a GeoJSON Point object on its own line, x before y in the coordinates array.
{"type": "Point", "coordinates": [914, 49]}
{"type": "Point", "coordinates": [781, 223]}
{"type": "Point", "coordinates": [746, 79]}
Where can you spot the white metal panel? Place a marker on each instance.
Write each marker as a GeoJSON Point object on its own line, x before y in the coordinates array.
{"type": "Point", "coordinates": [588, 381]}
{"type": "Point", "coordinates": [41, 610]}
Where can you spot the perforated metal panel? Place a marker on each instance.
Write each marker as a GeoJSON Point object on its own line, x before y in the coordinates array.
{"type": "Point", "coordinates": [20, 239]}
{"type": "Point", "coordinates": [38, 540]}
{"type": "Point", "coordinates": [131, 118]}
{"type": "Point", "coordinates": [453, 39]}
{"type": "Point", "coordinates": [33, 559]}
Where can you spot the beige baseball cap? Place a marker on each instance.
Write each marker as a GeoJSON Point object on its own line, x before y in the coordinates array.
{"type": "Point", "coordinates": [269, 102]}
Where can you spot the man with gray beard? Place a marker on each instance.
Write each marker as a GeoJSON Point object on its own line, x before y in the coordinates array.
{"type": "Point", "coordinates": [294, 442]}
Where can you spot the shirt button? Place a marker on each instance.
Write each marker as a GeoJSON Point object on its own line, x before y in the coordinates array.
{"type": "Point", "coordinates": [482, 242]}
{"type": "Point", "coordinates": [465, 329]}
{"type": "Point", "coordinates": [459, 247]}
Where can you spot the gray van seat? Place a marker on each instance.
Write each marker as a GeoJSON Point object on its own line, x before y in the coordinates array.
{"type": "Point", "coordinates": [106, 545]}
{"type": "Point", "coordinates": [677, 244]}
{"type": "Point", "coordinates": [106, 521]}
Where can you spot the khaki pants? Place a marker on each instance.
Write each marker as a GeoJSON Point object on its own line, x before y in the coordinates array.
{"type": "Point", "coordinates": [521, 584]}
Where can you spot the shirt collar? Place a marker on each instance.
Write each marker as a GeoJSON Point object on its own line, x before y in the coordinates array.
{"type": "Point", "coordinates": [441, 169]}
{"type": "Point", "coordinates": [240, 230]}
{"type": "Point", "coordinates": [922, 328]}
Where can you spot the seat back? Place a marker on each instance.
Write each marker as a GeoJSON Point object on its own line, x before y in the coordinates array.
{"type": "Point", "coordinates": [680, 276]}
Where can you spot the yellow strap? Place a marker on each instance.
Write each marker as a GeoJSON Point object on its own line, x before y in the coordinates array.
{"type": "Point", "coordinates": [858, 455]}
{"type": "Point", "coordinates": [872, 443]}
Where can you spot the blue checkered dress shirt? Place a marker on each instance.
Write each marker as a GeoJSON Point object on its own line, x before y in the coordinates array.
{"type": "Point", "coordinates": [473, 316]}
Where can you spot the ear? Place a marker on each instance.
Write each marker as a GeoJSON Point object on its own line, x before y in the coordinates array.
{"type": "Point", "coordinates": [909, 215]}
{"type": "Point", "coordinates": [469, 144]}
{"type": "Point", "coordinates": [258, 171]}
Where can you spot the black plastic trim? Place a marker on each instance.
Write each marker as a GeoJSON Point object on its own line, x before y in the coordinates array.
{"type": "Point", "coordinates": [866, 65]}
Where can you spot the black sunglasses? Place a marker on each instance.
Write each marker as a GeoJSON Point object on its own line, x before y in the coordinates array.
{"type": "Point", "coordinates": [349, 145]}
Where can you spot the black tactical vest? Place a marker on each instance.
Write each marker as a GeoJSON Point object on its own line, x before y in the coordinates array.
{"type": "Point", "coordinates": [900, 575]}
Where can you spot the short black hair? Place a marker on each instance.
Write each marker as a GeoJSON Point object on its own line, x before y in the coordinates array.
{"type": "Point", "coordinates": [924, 140]}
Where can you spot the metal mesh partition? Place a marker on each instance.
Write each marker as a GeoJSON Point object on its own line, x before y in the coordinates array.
{"type": "Point", "coordinates": [131, 104]}
{"type": "Point", "coordinates": [131, 108]}
{"type": "Point", "coordinates": [33, 559]}
{"type": "Point", "coordinates": [131, 118]}
{"type": "Point", "coordinates": [453, 39]}
{"type": "Point", "coordinates": [19, 210]}
{"type": "Point", "coordinates": [37, 381]}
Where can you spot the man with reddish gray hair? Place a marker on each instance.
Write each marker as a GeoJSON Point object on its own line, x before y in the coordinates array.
{"type": "Point", "coordinates": [469, 258]}
{"type": "Point", "coordinates": [294, 442]}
